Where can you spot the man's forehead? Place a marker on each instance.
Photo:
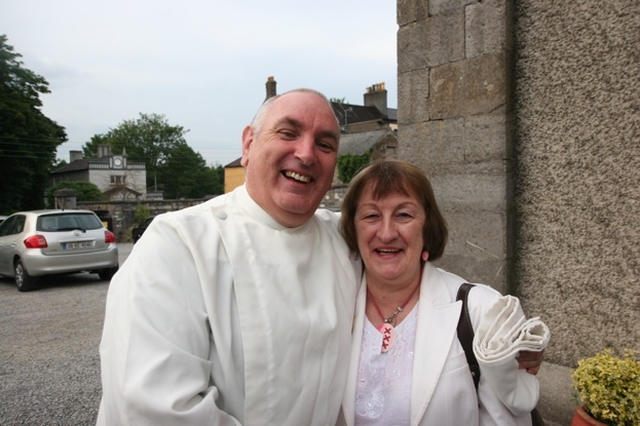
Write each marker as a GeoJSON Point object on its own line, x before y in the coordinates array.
{"type": "Point", "coordinates": [301, 112]}
{"type": "Point", "coordinates": [294, 101]}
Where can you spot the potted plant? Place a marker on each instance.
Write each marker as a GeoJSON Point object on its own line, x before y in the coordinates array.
{"type": "Point", "coordinates": [608, 390]}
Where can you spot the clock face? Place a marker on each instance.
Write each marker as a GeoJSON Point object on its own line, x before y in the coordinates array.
{"type": "Point", "coordinates": [117, 161]}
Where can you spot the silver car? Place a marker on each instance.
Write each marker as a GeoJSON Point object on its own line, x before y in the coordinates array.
{"type": "Point", "coordinates": [48, 242]}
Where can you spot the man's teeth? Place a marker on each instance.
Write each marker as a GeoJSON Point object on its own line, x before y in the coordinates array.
{"type": "Point", "coordinates": [298, 177]}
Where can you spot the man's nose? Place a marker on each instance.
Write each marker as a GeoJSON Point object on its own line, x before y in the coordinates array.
{"type": "Point", "coordinates": [306, 150]}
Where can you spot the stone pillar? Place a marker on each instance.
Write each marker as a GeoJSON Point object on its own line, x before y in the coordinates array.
{"type": "Point", "coordinates": [454, 120]}
{"type": "Point", "coordinates": [65, 198]}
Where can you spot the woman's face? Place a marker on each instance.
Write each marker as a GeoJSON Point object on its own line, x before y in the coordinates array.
{"type": "Point", "coordinates": [389, 235]}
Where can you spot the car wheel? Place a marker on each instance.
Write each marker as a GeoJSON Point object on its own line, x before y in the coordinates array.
{"type": "Point", "coordinates": [24, 281]}
{"type": "Point", "coordinates": [107, 274]}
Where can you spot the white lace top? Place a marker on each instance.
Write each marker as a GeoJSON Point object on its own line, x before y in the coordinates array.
{"type": "Point", "coordinates": [383, 390]}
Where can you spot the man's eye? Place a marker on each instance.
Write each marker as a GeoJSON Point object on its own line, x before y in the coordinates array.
{"type": "Point", "coordinates": [287, 134]}
{"type": "Point", "coordinates": [325, 146]}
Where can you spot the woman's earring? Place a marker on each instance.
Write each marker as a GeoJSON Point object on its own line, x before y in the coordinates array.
{"type": "Point", "coordinates": [425, 255]}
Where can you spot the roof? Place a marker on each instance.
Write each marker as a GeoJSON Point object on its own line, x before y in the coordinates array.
{"type": "Point", "coordinates": [360, 143]}
{"type": "Point", "coordinates": [121, 188]}
{"type": "Point", "coordinates": [348, 113]}
{"type": "Point", "coordinates": [234, 163]}
{"type": "Point", "coordinates": [82, 164]}
{"type": "Point", "coordinates": [360, 113]}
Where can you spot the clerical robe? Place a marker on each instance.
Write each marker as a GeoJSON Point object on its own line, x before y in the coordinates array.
{"type": "Point", "coordinates": [221, 316]}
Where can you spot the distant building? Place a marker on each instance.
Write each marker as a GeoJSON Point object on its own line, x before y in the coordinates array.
{"type": "Point", "coordinates": [373, 115]}
{"type": "Point", "coordinates": [118, 178]}
{"type": "Point", "coordinates": [233, 175]}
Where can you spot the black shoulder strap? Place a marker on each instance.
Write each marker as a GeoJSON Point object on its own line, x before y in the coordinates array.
{"type": "Point", "coordinates": [465, 333]}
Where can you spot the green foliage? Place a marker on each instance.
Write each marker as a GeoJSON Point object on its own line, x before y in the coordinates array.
{"type": "Point", "coordinates": [172, 165]}
{"type": "Point", "coordinates": [85, 191]}
{"type": "Point", "coordinates": [609, 387]}
{"type": "Point", "coordinates": [149, 139]}
{"type": "Point", "coordinates": [338, 100]}
{"type": "Point", "coordinates": [28, 139]}
{"type": "Point", "coordinates": [180, 172]}
{"type": "Point", "coordinates": [142, 212]}
{"type": "Point", "coordinates": [210, 181]}
{"type": "Point", "coordinates": [350, 164]}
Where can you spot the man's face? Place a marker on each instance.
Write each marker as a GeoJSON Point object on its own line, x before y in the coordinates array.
{"type": "Point", "coordinates": [291, 161]}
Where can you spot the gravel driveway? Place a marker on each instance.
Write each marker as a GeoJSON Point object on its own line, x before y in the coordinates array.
{"type": "Point", "coordinates": [49, 361]}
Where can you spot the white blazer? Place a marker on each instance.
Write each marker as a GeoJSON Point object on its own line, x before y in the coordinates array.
{"type": "Point", "coordinates": [442, 390]}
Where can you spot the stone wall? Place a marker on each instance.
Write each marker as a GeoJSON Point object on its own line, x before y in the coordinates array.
{"type": "Point", "coordinates": [120, 215]}
{"type": "Point", "coordinates": [526, 117]}
{"type": "Point", "coordinates": [454, 121]}
{"type": "Point", "coordinates": [578, 176]}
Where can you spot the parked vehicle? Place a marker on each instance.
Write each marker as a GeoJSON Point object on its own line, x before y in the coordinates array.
{"type": "Point", "coordinates": [49, 242]}
{"type": "Point", "coordinates": [137, 232]}
{"type": "Point", "coordinates": [2, 218]}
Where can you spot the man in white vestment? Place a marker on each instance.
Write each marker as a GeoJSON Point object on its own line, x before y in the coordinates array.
{"type": "Point", "coordinates": [238, 311]}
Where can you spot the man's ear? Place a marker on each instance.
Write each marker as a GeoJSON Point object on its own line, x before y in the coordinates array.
{"type": "Point", "coordinates": [247, 140]}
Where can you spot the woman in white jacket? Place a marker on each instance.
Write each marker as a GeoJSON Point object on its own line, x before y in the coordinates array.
{"type": "Point", "coordinates": [407, 366]}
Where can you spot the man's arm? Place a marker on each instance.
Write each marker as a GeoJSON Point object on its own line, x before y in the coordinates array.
{"type": "Point", "coordinates": [156, 342]}
{"type": "Point", "coordinates": [530, 361]}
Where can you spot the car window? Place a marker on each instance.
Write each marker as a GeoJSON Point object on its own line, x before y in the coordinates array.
{"type": "Point", "coordinates": [68, 221]}
{"type": "Point", "coordinates": [5, 226]}
{"type": "Point", "coordinates": [13, 225]}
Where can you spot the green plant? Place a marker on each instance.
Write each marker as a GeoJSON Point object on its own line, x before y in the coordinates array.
{"type": "Point", "coordinates": [85, 191]}
{"type": "Point", "coordinates": [350, 164]}
{"type": "Point", "coordinates": [142, 212]}
{"type": "Point", "coordinates": [609, 387]}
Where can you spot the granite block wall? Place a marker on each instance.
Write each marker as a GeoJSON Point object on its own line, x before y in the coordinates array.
{"type": "Point", "coordinates": [526, 117]}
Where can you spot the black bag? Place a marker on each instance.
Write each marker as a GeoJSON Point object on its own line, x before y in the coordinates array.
{"type": "Point", "coordinates": [465, 335]}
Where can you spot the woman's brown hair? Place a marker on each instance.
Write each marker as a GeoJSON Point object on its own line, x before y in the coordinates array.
{"type": "Point", "coordinates": [395, 177]}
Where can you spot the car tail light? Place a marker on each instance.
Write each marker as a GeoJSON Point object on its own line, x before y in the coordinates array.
{"type": "Point", "coordinates": [109, 237]}
{"type": "Point", "coordinates": [36, 241]}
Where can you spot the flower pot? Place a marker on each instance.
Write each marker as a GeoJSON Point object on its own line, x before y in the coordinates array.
{"type": "Point", "coordinates": [581, 418]}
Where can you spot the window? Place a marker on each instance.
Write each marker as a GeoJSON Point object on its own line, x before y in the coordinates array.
{"type": "Point", "coordinates": [117, 180]}
{"type": "Point", "coordinates": [13, 225]}
{"type": "Point", "coordinates": [68, 221]}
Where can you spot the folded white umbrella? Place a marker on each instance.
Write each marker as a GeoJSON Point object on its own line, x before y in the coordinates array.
{"type": "Point", "coordinates": [501, 335]}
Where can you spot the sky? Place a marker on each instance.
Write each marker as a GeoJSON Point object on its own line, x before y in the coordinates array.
{"type": "Point", "coordinates": [203, 64]}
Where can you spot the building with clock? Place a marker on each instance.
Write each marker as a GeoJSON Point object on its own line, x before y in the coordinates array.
{"type": "Point", "coordinates": [118, 178]}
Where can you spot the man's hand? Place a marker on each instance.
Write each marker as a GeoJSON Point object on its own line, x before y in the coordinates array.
{"type": "Point", "coordinates": [530, 361]}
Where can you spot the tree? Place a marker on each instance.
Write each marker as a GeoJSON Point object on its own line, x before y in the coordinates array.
{"type": "Point", "coordinates": [350, 164]}
{"type": "Point", "coordinates": [85, 191]}
{"type": "Point", "coordinates": [149, 139]}
{"type": "Point", "coordinates": [179, 173]}
{"type": "Point", "coordinates": [210, 181]}
{"type": "Point", "coordinates": [28, 139]}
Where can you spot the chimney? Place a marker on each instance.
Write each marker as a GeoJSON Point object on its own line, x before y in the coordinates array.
{"type": "Point", "coordinates": [75, 155]}
{"type": "Point", "coordinates": [271, 88]}
{"type": "Point", "coordinates": [376, 96]}
{"type": "Point", "coordinates": [104, 151]}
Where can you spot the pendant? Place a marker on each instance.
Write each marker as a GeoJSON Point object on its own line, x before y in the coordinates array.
{"type": "Point", "coordinates": [388, 336]}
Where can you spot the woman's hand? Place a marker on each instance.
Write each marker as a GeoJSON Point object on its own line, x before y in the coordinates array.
{"type": "Point", "coordinates": [530, 361]}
